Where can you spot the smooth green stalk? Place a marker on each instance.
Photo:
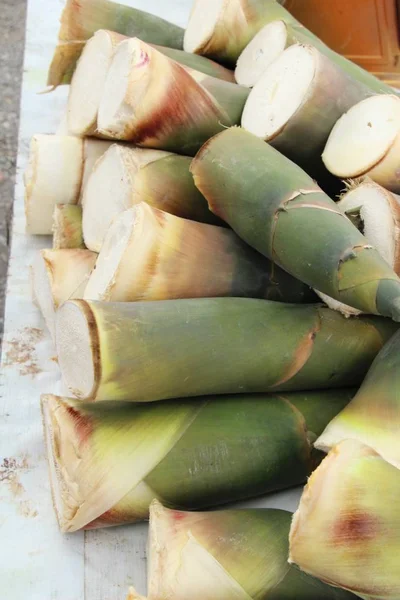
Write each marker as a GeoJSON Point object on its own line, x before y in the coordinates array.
{"type": "Point", "coordinates": [274, 206]}
{"type": "Point", "coordinates": [67, 227]}
{"type": "Point", "coordinates": [146, 351]}
{"type": "Point", "coordinates": [108, 462]}
{"type": "Point", "coordinates": [347, 528]}
{"type": "Point", "coordinates": [82, 18]}
{"type": "Point", "coordinates": [191, 555]}
{"type": "Point", "coordinates": [373, 417]}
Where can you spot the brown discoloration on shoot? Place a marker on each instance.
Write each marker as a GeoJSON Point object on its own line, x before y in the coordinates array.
{"type": "Point", "coordinates": [82, 424]}
{"type": "Point", "coordinates": [186, 100]}
{"type": "Point", "coordinates": [302, 354]}
{"type": "Point", "coordinates": [355, 527]}
{"type": "Point", "coordinates": [21, 351]}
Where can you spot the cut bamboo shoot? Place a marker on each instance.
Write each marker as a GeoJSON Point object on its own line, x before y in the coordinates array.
{"type": "Point", "coordinates": [58, 276]}
{"type": "Point", "coordinates": [347, 528]}
{"type": "Point", "coordinates": [67, 227]}
{"type": "Point", "coordinates": [125, 176]}
{"type": "Point", "coordinates": [191, 557]}
{"type": "Point", "coordinates": [300, 97]}
{"type": "Point", "coordinates": [82, 18]}
{"type": "Point", "coordinates": [366, 141]}
{"type": "Point", "coordinates": [107, 463]}
{"type": "Point", "coordinates": [154, 102]}
{"type": "Point", "coordinates": [149, 254]}
{"type": "Point", "coordinates": [147, 351]}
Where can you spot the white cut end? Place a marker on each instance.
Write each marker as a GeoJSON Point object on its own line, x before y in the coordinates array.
{"type": "Point", "coordinates": [92, 150]}
{"type": "Point", "coordinates": [103, 278]}
{"type": "Point", "coordinates": [280, 92]}
{"type": "Point", "coordinates": [202, 22]}
{"type": "Point", "coordinates": [58, 276]}
{"type": "Point", "coordinates": [126, 83]}
{"type": "Point", "coordinates": [42, 292]}
{"type": "Point", "coordinates": [108, 192]}
{"type": "Point", "coordinates": [110, 189]}
{"type": "Point", "coordinates": [260, 53]}
{"type": "Point", "coordinates": [77, 354]}
{"type": "Point", "coordinates": [376, 209]}
{"type": "Point", "coordinates": [88, 83]}
{"type": "Point", "coordinates": [363, 136]}
{"type": "Point", "coordinates": [53, 176]}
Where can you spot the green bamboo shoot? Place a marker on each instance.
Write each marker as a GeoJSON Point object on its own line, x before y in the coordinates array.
{"type": "Point", "coordinates": [347, 528]}
{"type": "Point", "coordinates": [191, 557]}
{"type": "Point", "coordinates": [107, 462]}
{"type": "Point", "coordinates": [146, 351]}
{"type": "Point", "coordinates": [274, 206]}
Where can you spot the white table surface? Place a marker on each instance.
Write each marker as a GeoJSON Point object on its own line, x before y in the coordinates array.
{"type": "Point", "coordinates": [37, 562]}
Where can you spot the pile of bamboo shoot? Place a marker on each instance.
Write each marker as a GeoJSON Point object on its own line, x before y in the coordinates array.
{"type": "Point", "coordinates": [208, 189]}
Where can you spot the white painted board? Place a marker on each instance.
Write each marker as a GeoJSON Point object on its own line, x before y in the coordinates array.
{"type": "Point", "coordinates": [36, 561]}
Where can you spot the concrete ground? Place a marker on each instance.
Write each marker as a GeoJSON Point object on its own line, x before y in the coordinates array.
{"type": "Point", "coordinates": [12, 37]}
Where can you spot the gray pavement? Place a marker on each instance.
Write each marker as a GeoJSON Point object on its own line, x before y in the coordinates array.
{"type": "Point", "coordinates": [12, 36]}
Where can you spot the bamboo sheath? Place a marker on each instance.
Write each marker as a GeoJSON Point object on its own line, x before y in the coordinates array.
{"type": "Point", "coordinates": [146, 351]}
{"type": "Point", "coordinates": [162, 104]}
{"type": "Point", "coordinates": [108, 462]}
{"type": "Point", "coordinates": [191, 557]}
{"type": "Point", "coordinates": [82, 18]}
{"type": "Point", "coordinates": [221, 30]}
{"type": "Point", "coordinates": [372, 418]}
{"type": "Point", "coordinates": [149, 254]}
{"type": "Point", "coordinates": [347, 528]}
{"type": "Point", "coordinates": [279, 210]}
{"type": "Point", "coordinates": [67, 227]}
